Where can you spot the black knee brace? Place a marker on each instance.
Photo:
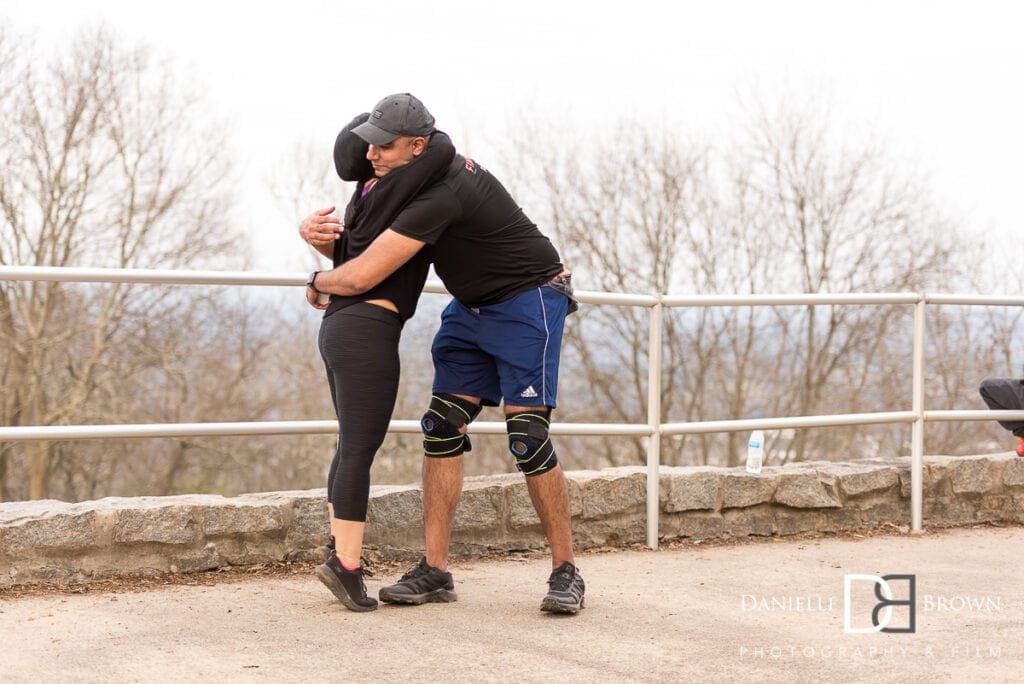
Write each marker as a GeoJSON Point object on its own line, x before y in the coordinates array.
{"type": "Point", "coordinates": [529, 442]}
{"type": "Point", "coordinates": [445, 415]}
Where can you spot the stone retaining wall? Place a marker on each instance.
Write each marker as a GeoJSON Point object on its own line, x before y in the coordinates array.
{"type": "Point", "coordinates": [52, 541]}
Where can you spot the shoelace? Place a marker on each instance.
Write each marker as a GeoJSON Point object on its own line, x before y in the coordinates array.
{"type": "Point", "coordinates": [561, 580]}
{"type": "Point", "coordinates": [416, 572]}
{"type": "Point", "coordinates": [362, 586]}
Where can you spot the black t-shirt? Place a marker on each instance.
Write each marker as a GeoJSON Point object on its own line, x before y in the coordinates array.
{"type": "Point", "coordinates": [485, 249]}
{"type": "Point", "coordinates": [368, 215]}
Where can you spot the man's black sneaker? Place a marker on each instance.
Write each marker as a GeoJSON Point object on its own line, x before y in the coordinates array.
{"type": "Point", "coordinates": [422, 584]}
{"type": "Point", "coordinates": [565, 590]}
{"type": "Point", "coordinates": [347, 585]}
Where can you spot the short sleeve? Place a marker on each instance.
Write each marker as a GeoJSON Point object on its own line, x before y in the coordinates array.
{"type": "Point", "coordinates": [427, 216]}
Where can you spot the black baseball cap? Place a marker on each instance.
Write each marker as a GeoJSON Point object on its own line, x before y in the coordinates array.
{"type": "Point", "coordinates": [395, 116]}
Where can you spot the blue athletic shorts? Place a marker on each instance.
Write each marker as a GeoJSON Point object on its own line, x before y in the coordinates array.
{"type": "Point", "coordinates": [504, 351]}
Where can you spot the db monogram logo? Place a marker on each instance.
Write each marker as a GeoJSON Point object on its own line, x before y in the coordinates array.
{"type": "Point", "coordinates": [882, 612]}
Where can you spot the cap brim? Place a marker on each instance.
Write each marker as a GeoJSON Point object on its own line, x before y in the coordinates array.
{"type": "Point", "coordinates": [373, 134]}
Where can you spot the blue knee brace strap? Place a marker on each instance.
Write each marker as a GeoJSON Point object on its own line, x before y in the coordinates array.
{"type": "Point", "coordinates": [529, 442]}
{"type": "Point", "coordinates": [445, 415]}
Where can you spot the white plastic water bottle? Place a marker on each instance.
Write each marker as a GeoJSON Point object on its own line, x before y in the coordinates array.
{"type": "Point", "coordinates": [755, 452]}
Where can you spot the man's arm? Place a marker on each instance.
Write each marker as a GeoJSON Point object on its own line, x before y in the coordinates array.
{"type": "Point", "coordinates": [382, 258]}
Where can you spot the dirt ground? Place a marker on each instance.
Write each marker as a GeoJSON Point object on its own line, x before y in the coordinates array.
{"type": "Point", "coordinates": [766, 609]}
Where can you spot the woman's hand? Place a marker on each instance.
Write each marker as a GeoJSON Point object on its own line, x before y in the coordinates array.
{"type": "Point", "coordinates": [321, 228]}
{"type": "Point", "coordinates": [317, 300]}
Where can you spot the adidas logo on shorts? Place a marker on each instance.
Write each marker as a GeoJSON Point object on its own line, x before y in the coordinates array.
{"type": "Point", "coordinates": [529, 392]}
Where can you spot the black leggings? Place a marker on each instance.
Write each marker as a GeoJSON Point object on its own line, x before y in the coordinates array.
{"type": "Point", "coordinates": [359, 345]}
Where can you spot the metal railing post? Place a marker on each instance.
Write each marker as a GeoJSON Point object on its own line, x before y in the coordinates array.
{"type": "Point", "coordinates": [654, 422]}
{"type": "Point", "coordinates": [917, 429]}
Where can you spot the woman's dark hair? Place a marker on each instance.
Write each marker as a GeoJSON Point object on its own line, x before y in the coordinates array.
{"type": "Point", "coordinates": [350, 152]}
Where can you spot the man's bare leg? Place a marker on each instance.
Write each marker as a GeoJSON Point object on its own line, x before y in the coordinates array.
{"type": "Point", "coordinates": [442, 485]}
{"type": "Point", "coordinates": [550, 495]}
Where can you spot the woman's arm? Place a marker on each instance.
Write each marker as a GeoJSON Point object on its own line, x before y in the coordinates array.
{"type": "Point", "coordinates": [406, 182]}
{"type": "Point", "coordinates": [320, 230]}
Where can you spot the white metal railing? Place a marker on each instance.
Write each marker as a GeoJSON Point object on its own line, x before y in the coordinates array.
{"type": "Point", "coordinates": [653, 429]}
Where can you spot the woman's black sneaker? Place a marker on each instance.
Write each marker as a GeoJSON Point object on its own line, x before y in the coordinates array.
{"type": "Point", "coordinates": [422, 584]}
{"type": "Point", "coordinates": [565, 590]}
{"type": "Point", "coordinates": [347, 585]}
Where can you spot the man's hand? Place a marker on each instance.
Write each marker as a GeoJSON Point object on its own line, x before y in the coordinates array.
{"type": "Point", "coordinates": [320, 228]}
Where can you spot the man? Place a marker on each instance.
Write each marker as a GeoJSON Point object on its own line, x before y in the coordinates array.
{"type": "Point", "coordinates": [499, 341]}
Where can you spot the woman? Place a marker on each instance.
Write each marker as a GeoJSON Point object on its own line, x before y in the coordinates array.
{"type": "Point", "coordinates": [359, 339]}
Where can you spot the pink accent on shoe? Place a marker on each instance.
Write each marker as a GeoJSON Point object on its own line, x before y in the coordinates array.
{"type": "Point", "coordinates": [1020, 447]}
{"type": "Point", "coordinates": [348, 568]}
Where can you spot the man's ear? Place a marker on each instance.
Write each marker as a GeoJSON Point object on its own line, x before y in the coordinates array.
{"type": "Point", "coordinates": [418, 145]}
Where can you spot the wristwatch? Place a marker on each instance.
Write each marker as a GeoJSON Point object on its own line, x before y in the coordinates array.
{"type": "Point", "coordinates": [311, 282]}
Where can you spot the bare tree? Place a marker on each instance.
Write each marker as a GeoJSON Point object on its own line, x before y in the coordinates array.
{"type": "Point", "coordinates": [790, 207]}
{"type": "Point", "coordinates": [104, 164]}
{"type": "Point", "coordinates": [845, 221]}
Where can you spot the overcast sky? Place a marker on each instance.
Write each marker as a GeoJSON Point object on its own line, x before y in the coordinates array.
{"type": "Point", "coordinates": [940, 81]}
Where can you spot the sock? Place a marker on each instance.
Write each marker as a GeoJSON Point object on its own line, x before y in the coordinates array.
{"type": "Point", "coordinates": [352, 569]}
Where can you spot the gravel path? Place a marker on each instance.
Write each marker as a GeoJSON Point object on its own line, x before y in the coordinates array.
{"type": "Point", "coordinates": [766, 610]}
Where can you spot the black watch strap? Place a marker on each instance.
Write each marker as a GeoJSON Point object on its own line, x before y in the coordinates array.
{"type": "Point", "coordinates": [311, 282]}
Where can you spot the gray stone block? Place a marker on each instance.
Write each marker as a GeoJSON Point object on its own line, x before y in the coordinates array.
{"type": "Point", "coordinates": [796, 521]}
{"type": "Point", "coordinates": [619, 490]}
{"type": "Point", "coordinates": [208, 558]}
{"type": "Point", "coordinates": [576, 479]}
{"type": "Point", "coordinates": [936, 481]}
{"type": "Point", "coordinates": [521, 513]}
{"type": "Point", "coordinates": [394, 506]}
{"type": "Point", "coordinates": [1013, 509]}
{"type": "Point", "coordinates": [480, 507]}
{"type": "Point", "coordinates": [974, 475]}
{"type": "Point", "coordinates": [19, 511]}
{"type": "Point", "coordinates": [895, 512]}
{"type": "Point", "coordinates": [857, 480]}
{"type": "Point", "coordinates": [1013, 471]}
{"type": "Point", "coordinates": [741, 489]}
{"type": "Point", "coordinates": [810, 489]}
{"type": "Point", "coordinates": [688, 489]}
{"type": "Point", "coordinates": [957, 511]}
{"type": "Point", "coordinates": [749, 521]}
{"type": "Point", "coordinates": [245, 515]}
{"type": "Point", "coordinates": [154, 521]}
{"type": "Point", "coordinates": [66, 532]}
{"type": "Point", "coordinates": [698, 525]}
{"type": "Point", "coordinates": [629, 528]}
{"type": "Point", "coordinates": [307, 524]}
{"type": "Point", "coordinates": [840, 520]}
